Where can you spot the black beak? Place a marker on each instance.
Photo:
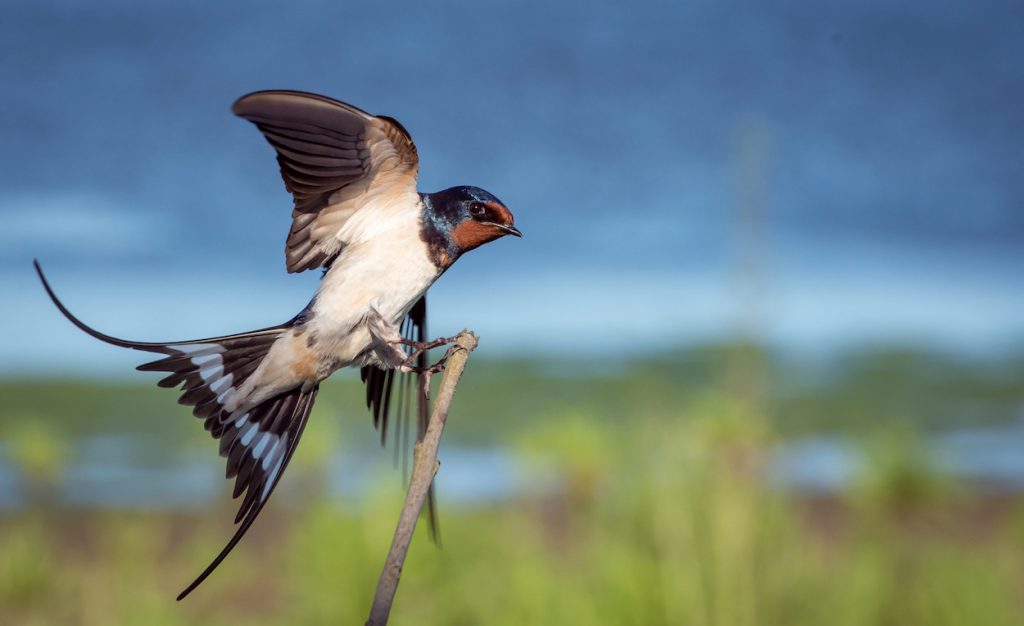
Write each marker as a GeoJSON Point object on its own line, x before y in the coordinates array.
{"type": "Point", "coordinates": [512, 230]}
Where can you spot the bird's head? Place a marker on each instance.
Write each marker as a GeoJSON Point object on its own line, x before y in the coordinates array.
{"type": "Point", "coordinates": [471, 217]}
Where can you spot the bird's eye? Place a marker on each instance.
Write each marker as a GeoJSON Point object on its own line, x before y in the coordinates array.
{"type": "Point", "coordinates": [476, 209]}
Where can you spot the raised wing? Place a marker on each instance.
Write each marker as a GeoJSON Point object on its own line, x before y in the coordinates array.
{"type": "Point", "coordinates": [335, 160]}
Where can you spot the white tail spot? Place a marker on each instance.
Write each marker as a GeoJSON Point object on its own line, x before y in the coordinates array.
{"type": "Point", "coordinates": [222, 385]}
{"type": "Point", "coordinates": [247, 437]}
{"type": "Point", "coordinates": [257, 451]}
{"type": "Point", "coordinates": [197, 349]}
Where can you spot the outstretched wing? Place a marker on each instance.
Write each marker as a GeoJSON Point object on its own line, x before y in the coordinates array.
{"type": "Point", "coordinates": [335, 160]}
{"type": "Point", "coordinates": [384, 395]}
{"type": "Point", "coordinates": [258, 442]}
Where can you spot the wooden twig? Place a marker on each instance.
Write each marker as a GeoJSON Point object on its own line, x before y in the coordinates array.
{"type": "Point", "coordinates": [425, 466]}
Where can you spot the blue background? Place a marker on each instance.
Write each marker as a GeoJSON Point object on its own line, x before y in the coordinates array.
{"type": "Point", "coordinates": [817, 175]}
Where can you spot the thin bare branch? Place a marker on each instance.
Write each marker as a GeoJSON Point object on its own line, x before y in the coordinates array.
{"type": "Point", "coordinates": [425, 466]}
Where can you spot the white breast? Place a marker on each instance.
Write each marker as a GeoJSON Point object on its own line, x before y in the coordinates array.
{"type": "Point", "coordinates": [384, 265]}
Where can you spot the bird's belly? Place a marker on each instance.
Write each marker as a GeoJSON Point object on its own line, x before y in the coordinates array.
{"type": "Point", "coordinates": [386, 281]}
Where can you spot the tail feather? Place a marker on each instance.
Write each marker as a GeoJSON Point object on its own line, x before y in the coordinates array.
{"type": "Point", "coordinates": [258, 454]}
{"type": "Point", "coordinates": [211, 370]}
{"type": "Point", "coordinates": [381, 388]}
{"type": "Point", "coordinates": [257, 441]}
{"type": "Point", "coordinates": [208, 370]}
{"type": "Point", "coordinates": [158, 347]}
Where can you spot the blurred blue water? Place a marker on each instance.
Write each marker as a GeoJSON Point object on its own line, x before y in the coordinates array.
{"type": "Point", "coordinates": [980, 456]}
{"type": "Point", "coordinates": [878, 148]}
{"type": "Point", "coordinates": [118, 471]}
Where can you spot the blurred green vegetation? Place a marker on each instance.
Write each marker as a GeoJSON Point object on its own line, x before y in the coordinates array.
{"type": "Point", "coordinates": [850, 394]}
{"type": "Point", "coordinates": [658, 512]}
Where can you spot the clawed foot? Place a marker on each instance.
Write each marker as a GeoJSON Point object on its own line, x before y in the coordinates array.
{"type": "Point", "coordinates": [422, 346]}
{"type": "Point", "coordinates": [418, 348]}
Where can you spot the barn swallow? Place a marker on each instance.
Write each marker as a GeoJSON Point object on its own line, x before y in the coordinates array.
{"type": "Point", "coordinates": [358, 215]}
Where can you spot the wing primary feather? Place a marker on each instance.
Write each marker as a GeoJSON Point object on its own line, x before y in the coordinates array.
{"type": "Point", "coordinates": [336, 176]}
{"type": "Point", "coordinates": [396, 444]}
{"type": "Point", "coordinates": [323, 146]}
{"type": "Point", "coordinates": [300, 409]}
{"type": "Point", "coordinates": [400, 447]}
{"type": "Point", "coordinates": [401, 440]}
{"type": "Point", "coordinates": [409, 391]}
{"type": "Point", "coordinates": [317, 160]}
{"type": "Point", "coordinates": [302, 127]}
{"type": "Point", "coordinates": [418, 318]}
{"type": "Point", "coordinates": [403, 412]}
{"type": "Point", "coordinates": [309, 143]}
{"type": "Point", "coordinates": [384, 404]}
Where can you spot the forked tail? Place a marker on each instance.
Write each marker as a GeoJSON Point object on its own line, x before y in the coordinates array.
{"type": "Point", "coordinates": [258, 442]}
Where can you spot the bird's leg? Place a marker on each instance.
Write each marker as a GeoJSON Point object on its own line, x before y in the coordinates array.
{"type": "Point", "coordinates": [419, 347]}
{"type": "Point", "coordinates": [385, 339]}
{"type": "Point", "coordinates": [437, 367]}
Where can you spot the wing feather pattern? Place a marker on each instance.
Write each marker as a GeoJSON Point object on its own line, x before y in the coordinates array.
{"type": "Point", "coordinates": [258, 442]}
{"type": "Point", "coordinates": [335, 160]}
{"type": "Point", "coordinates": [259, 446]}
